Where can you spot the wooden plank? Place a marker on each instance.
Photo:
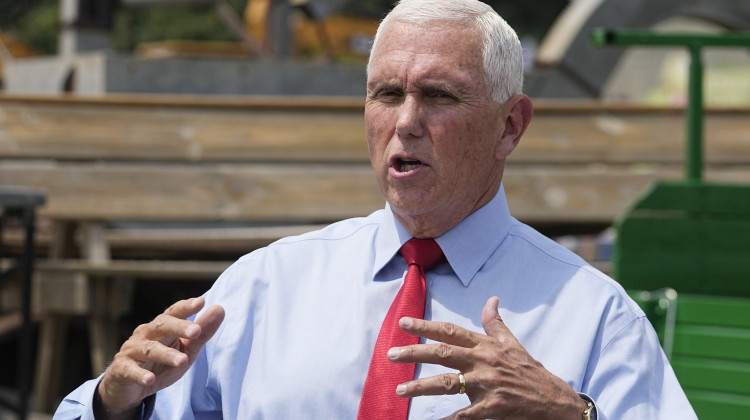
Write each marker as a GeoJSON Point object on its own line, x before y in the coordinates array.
{"type": "Point", "coordinates": [182, 192]}
{"type": "Point", "coordinates": [50, 355]}
{"type": "Point", "coordinates": [331, 129]}
{"type": "Point", "coordinates": [312, 193]}
{"type": "Point", "coordinates": [60, 291]}
{"type": "Point", "coordinates": [230, 238]}
{"type": "Point", "coordinates": [151, 269]}
{"type": "Point", "coordinates": [587, 193]}
{"type": "Point", "coordinates": [624, 136]}
{"type": "Point", "coordinates": [94, 131]}
{"type": "Point", "coordinates": [163, 236]}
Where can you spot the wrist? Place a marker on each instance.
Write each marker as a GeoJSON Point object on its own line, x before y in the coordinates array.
{"type": "Point", "coordinates": [106, 411]}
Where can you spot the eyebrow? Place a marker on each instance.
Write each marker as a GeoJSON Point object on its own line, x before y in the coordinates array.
{"type": "Point", "coordinates": [450, 88]}
{"type": "Point", "coordinates": [425, 87]}
{"type": "Point", "coordinates": [384, 85]}
{"type": "Point", "coordinates": [431, 87]}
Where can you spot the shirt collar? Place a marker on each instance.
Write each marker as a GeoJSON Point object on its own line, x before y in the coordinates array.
{"type": "Point", "coordinates": [467, 246]}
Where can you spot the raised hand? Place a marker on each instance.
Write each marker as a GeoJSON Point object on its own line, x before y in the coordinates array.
{"type": "Point", "coordinates": [155, 357]}
{"type": "Point", "coordinates": [502, 380]}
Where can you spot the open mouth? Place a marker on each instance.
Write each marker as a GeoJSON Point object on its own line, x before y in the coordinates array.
{"type": "Point", "coordinates": [406, 165]}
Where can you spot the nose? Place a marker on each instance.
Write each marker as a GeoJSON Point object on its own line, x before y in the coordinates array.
{"type": "Point", "coordinates": [409, 123]}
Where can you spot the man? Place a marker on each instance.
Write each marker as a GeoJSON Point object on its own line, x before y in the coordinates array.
{"type": "Point", "coordinates": [290, 329]}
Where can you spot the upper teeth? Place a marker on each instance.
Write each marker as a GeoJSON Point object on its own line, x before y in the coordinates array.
{"type": "Point", "coordinates": [407, 165]}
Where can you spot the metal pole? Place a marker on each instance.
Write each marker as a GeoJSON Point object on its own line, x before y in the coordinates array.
{"type": "Point", "coordinates": [694, 111]}
{"type": "Point", "coordinates": [694, 114]}
{"type": "Point", "coordinates": [26, 346]}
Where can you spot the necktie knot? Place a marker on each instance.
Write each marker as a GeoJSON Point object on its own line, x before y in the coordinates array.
{"type": "Point", "coordinates": [422, 252]}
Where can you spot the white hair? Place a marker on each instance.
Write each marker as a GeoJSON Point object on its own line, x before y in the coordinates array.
{"type": "Point", "coordinates": [502, 54]}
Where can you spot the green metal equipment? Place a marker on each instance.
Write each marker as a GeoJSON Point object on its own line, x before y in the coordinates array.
{"type": "Point", "coordinates": [691, 240]}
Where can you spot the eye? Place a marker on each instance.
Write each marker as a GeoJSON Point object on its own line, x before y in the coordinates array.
{"type": "Point", "coordinates": [439, 94]}
{"type": "Point", "coordinates": [387, 94]}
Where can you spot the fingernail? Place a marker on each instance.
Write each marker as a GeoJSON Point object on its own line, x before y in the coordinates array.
{"type": "Point", "coordinates": [401, 389]}
{"type": "Point", "coordinates": [195, 303]}
{"type": "Point", "coordinates": [178, 359]}
{"type": "Point", "coordinates": [394, 352]}
{"type": "Point", "coordinates": [406, 322]}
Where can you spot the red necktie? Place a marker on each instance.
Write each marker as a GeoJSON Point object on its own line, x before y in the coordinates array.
{"type": "Point", "coordinates": [379, 399]}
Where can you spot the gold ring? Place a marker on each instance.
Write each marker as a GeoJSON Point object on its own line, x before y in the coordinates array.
{"type": "Point", "coordinates": [461, 383]}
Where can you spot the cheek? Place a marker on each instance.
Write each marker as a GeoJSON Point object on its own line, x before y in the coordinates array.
{"type": "Point", "coordinates": [469, 148]}
{"type": "Point", "coordinates": [461, 140]}
{"type": "Point", "coordinates": [373, 131]}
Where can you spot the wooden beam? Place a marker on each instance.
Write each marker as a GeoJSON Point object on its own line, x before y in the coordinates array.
{"type": "Point", "coordinates": [153, 132]}
{"type": "Point", "coordinates": [629, 137]}
{"type": "Point", "coordinates": [230, 192]}
{"type": "Point", "coordinates": [315, 193]}
{"type": "Point", "coordinates": [151, 269]}
{"type": "Point", "coordinates": [230, 238]}
{"type": "Point", "coordinates": [163, 236]}
{"type": "Point", "coordinates": [332, 130]}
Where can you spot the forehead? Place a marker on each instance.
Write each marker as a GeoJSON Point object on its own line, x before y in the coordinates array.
{"type": "Point", "coordinates": [433, 50]}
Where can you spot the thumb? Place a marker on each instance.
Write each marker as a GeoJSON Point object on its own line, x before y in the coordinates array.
{"type": "Point", "coordinates": [491, 321]}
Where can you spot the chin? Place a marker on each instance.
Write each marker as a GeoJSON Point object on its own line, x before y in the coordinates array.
{"type": "Point", "coordinates": [409, 204]}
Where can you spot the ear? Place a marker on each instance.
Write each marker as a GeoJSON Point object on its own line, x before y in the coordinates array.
{"type": "Point", "coordinates": [518, 112]}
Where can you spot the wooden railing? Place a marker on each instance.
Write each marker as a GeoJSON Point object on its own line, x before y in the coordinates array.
{"type": "Point", "coordinates": [271, 167]}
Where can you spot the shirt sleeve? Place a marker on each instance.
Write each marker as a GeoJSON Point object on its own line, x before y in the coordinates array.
{"type": "Point", "coordinates": [632, 379]}
{"type": "Point", "coordinates": [79, 403]}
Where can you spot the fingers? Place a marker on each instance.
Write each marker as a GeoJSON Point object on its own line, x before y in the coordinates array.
{"type": "Point", "coordinates": [166, 328]}
{"type": "Point", "coordinates": [185, 308]}
{"type": "Point", "coordinates": [209, 323]}
{"type": "Point", "coordinates": [444, 332]}
{"type": "Point", "coordinates": [127, 370]}
{"type": "Point", "coordinates": [451, 334]}
{"type": "Point", "coordinates": [150, 351]}
{"type": "Point", "coordinates": [173, 322]}
{"type": "Point", "coordinates": [169, 341]}
{"type": "Point", "coordinates": [455, 357]}
{"type": "Point", "coordinates": [158, 353]}
{"type": "Point", "coordinates": [443, 384]}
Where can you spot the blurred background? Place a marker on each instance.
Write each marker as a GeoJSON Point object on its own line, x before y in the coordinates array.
{"type": "Point", "coordinates": [163, 139]}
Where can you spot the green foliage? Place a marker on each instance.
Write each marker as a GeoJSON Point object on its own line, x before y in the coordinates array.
{"type": "Point", "coordinates": [157, 23]}
{"type": "Point", "coordinates": [11, 10]}
{"type": "Point", "coordinates": [35, 24]}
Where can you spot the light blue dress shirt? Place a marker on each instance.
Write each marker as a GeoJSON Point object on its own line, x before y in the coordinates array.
{"type": "Point", "coordinates": [303, 314]}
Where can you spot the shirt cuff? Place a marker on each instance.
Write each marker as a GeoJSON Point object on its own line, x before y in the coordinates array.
{"type": "Point", "coordinates": [594, 414]}
{"type": "Point", "coordinates": [148, 406]}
